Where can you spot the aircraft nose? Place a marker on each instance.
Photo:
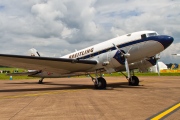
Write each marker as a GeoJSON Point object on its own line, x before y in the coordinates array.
{"type": "Point", "coordinates": [165, 40]}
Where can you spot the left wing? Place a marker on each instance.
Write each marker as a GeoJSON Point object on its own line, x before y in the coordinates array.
{"type": "Point", "coordinates": [58, 65]}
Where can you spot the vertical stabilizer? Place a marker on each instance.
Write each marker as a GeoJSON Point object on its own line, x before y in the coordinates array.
{"type": "Point", "coordinates": [34, 52]}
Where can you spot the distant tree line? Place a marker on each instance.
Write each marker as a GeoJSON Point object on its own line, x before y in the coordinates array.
{"type": "Point", "coordinates": [172, 65]}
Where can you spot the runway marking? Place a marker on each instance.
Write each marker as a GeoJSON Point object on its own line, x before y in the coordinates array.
{"type": "Point", "coordinates": [166, 112]}
{"type": "Point", "coordinates": [38, 94]}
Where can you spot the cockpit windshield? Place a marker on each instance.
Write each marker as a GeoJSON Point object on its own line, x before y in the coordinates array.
{"type": "Point", "coordinates": [151, 34]}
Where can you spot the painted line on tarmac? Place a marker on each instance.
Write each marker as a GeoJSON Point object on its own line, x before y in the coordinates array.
{"type": "Point", "coordinates": [165, 113]}
{"type": "Point", "coordinates": [39, 94]}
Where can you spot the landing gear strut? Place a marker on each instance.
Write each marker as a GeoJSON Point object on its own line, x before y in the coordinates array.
{"type": "Point", "coordinates": [41, 81]}
{"type": "Point", "coordinates": [133, 80]}
{"type": "Point", "coordinates": [99, 82]}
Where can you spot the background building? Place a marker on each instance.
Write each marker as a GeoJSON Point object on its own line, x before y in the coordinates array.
{"type": "Point", "coordinates": [162, 66]}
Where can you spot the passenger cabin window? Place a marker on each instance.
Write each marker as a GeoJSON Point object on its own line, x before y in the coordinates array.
{"type": "Point", "coordinates": [128, 34]}
{"type": "Point", "coordinates": [151, 34]}
{"type": "Point", "coordinates": [143, 36]}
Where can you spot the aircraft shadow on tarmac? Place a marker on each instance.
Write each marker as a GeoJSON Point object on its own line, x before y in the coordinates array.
{"type": "Point", "coordinates": [68, 86]}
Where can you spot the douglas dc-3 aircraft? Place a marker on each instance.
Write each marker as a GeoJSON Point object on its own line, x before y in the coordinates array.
{"type": "Point", "coordinates": [176, 54]}
{"type": "Point", "coordinates": [136, 50]}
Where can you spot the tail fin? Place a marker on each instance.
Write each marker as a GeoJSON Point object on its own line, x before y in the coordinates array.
{"type": "Point", "coordinates": [34, 52]}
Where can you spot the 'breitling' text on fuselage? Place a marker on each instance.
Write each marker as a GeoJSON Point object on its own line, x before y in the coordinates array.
{"type": "Point", "coordinates": [81, 53]}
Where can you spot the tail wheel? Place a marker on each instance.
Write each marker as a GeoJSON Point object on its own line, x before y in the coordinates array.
{"type": "Point", "coordinates": [41, 81]}
{"type": "Point", "coordinates": [134, 81]}
{"type": "Point", "coordinates": [100, 83]}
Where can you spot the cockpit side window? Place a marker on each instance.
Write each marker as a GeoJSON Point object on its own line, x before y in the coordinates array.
{"type": "Point", "coordinates": [151, 34]}
{"type": "Point", "coordinates": [143, 36]}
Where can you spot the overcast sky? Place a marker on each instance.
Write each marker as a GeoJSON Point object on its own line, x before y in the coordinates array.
{"type": "Point", "coordinates": [58, 27]}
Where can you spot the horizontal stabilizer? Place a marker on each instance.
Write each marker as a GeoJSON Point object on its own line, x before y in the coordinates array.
{"type": "Point", "coordinates": [22, 73]}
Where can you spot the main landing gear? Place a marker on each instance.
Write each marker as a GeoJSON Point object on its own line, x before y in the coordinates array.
{"type": "Point", "coordinates": [41, 81]}
{"type": "Point", "coordinates": [99, 82]}
{"type": "Point", "coordinates": [133, 80]}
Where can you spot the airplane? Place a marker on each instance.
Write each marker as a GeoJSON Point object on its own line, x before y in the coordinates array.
{"type": "Point", "coordinates": [131, 51]}
{"type": "Point", "coordinates": [176, 54]}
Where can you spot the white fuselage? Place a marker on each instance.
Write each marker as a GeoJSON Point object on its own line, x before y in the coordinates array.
{"type": "Point", "coordinates": [142, 47]}
{"type": "Point", "coordinates": [104, 52]}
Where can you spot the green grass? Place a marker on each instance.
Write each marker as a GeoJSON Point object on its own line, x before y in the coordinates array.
{"type": "Point", "coordinates": [5, 77]}
{"type": "Point", "coordinates": [144, 74]}
{"type": "Point", "coordinates": [155, 74]}
{"type": "Point", "coordinates": [139, 74]}
{"type": "Point", "coordinates": [12, 69]}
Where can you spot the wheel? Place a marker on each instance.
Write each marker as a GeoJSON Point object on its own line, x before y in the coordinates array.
{"type": "Point", "coordinates": [100, 83]}
{"type": "Point", "coordinates": [41, 81]}
{"type": "Point", "coordinates": [134, 81]}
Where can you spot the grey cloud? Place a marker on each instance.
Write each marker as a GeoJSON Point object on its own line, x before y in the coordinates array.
{"type": "Point", "coordinates": [60, 27]}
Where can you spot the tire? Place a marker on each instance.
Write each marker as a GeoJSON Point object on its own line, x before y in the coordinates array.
{"type": "Point", "coordinates": [134, 81]}
{"type": "Point", "coordinates": [101, 83]}
{"type": "Point", "coordinates": [41, 81]}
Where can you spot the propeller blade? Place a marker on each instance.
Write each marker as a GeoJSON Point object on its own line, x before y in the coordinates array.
{"type": "Point", "coordinates": [157, 65]}
{"type": "Point", "coordinates": [130, 49]}
{"type": "Point", "coordinates": [115, 46]}
{"type": "Point", "coordinates": [127, 67]}
{"type": "Point", "coordinates": [126, 55]}
{"type": "Point", "coordinates": [157, 57]}
{"type": "Point", "coordinates": [118, 49]}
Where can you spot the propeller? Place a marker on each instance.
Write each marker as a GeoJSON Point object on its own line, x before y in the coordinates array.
{"type": "Point", "coordinates": [126, 55]}
{"type": "Point", "coordinates": [157, 65]}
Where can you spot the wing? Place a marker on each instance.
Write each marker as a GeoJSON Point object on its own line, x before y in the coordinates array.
{"type": "Point", "coordinates": [58, 65]}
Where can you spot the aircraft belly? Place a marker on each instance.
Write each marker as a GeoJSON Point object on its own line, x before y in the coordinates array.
{"type": "Point", "coordinates": [142, 65]}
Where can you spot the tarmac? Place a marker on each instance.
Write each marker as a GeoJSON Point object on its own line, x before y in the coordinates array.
{"type": "Point", "coordinates": [156, 97]}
